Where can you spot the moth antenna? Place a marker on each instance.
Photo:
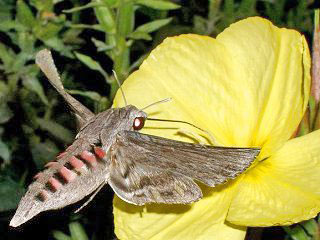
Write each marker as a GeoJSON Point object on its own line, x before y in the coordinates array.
{"type": "Point", "coordinates": [91, 197]}
{"type": "Point", "coordinates": [122, 93]}
{"type": "Point", "coordinates": [155, 103]}
{"type": "Point", "coordinates": [212, 139]}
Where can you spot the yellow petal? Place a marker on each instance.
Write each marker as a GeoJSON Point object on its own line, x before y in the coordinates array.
{"type": "Point", "coordinates": [248, 87]}
{"type": "Point", "coordinates": [202, 220]}
{"type": "Point", "coordinates": [173, 70]}
{"type": "Point", "coordinates": [284, 189]}
{"type": "Point", "coordinates": [216, 86]}
{"type": "Point", "coordinates": [182, 68]}
{"type": "Point", "coordinates": [273, 76]}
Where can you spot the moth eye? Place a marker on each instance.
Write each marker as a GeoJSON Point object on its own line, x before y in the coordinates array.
{"type": "Point", "coordinates": [138, 123]}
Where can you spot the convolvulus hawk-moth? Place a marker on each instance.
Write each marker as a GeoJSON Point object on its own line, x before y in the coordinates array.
{"type": "Point", "coordinates": [139, 168]}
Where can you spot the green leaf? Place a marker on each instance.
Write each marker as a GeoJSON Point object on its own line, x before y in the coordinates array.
{"type": "Point", "coordinates": [90, 94]}
{"type": "Point", "coordinates": [19, 63]}
{"type": "Point", "coordinates": [41, 5]}
{"type": "Point", "coordinates": [25, 15]}
{"type": "Point", "coordinates": [92, 64]}
{"type": "Point", "coordinates": [103, 104]}
{"type": "Point", "coordinates": [6, 26]}
{"type": "Point", "coordinates": [137, 35]}
{"type": "Point", "coordinates": [5, 153]}
{"type": "Point", "coordinates": [30, 112]}
{"type": "Point", "coordinates": [57, 44]}
{"type": "Point", "coordinates": [26, 42]}
{"type": "Point", "coordinates": [154, 25]}
{"type": "Point", "coordinates": [105, 18]}
{"type": "Point", "coordinates": [229, 10]}
{"type": "Point", "coordinates": [6, 10]}
{"type": "Point", "coordinates": [101, 46]}
{"type": "Point", "coordinates": [34, 85]}
{"type": "Point", "coordinates": [111, 3]}
{"type": "Point", "coordinates": [313, 111]}
{"type": "Point", "coordinates": [125, 19]}
{"type": "Point", "coordinates": [42, 152]}
{"type": "Point", "coordinates": [5, 113]}
{"type": "Point", "coordinates": [47, 31]}
{"type": "Point", "coordinates": [57, 130]}
{"type": "Point", "coordinates": [96, 27]}
{"type": "Point", "coordinates": [247, 8]}
{"type": "Point", "coordinates": [71, 36]}
{"type": "Point", "coordinates": [58, 235]}
{"type": "Point", "coordinates": [121, 60]}
{"type": "Point", "coordinates": [10, 194]}
{"type": "Point", "coordinates": [7, 56]}
{"type": "Point", "coordinates": [158, 4]}
{"type": "Point", "coordinates": [296, 233]}
{"type": "Point", "coordinates": [31, 70]}
{"type": "Point", "coordinates": [89, 5]}
{"type": "Point", "coordinates": [312, 228]}
{"type": "Point", "coordinates": [77, 231]}
{"type": "Point", "coordinates": [200, 25]}
{"type": "Point", "coordinates": [214, 9]}
{"type": "Point", "coordinates": [27, 130]}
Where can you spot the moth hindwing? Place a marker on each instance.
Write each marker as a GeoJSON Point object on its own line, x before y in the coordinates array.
{"type": "Point", "coordinates": [140, 168]}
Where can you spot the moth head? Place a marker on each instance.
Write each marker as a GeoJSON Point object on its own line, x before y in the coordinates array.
{"type": "Point", "coordinates": [136, 118]}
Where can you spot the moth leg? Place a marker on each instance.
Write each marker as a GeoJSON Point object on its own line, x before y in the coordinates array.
{"type": "Point", "coordinates": [91, 197]}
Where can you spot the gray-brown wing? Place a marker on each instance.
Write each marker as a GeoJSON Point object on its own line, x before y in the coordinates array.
{"type": "Point", "coordinates": [207, 164]}
{"type": "Point", "coordinates": [139, 184]}
{"type": "Point", "coordinates": [74, 175]}
{"type": "Point", "coordinates": [45, 62]}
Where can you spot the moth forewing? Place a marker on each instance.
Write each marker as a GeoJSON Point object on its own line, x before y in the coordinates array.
{"type": "Point", "coordinates": [139, 183]}
{"type": "Point", "coordinates": [151, 185]}
{"type": "Point", "coordinates": [207, 164]}
{"type": "Point", "coordinates": [46, 64]}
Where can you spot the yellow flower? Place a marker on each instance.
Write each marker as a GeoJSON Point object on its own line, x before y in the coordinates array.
{"type": "Point", "coordinates": [248, 87]}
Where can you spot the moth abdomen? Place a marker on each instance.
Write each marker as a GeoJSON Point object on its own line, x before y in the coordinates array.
{"type": "Point", "coordinates": [69, 165]}
{"type": "Point", "coordinates": [75, 174]}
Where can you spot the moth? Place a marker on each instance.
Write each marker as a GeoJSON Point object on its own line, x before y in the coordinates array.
{"type": "Point", "coordinates": [140, 168]}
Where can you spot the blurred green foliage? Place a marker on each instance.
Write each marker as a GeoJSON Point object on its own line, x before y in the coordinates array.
{"type": "Point", "coordinates": [89, 39]}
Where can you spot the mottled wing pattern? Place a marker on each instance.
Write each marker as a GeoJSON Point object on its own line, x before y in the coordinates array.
{"type": "Point", "coordinates": [76, 173]}
{"type": "Point", "coordinates": [207, 164]}
{"type": "Point", "coordinates": [139, 184]}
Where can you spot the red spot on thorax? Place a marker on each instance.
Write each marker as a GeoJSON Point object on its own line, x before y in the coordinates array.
{"type": "Point", "coordinates": [99, 152]}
